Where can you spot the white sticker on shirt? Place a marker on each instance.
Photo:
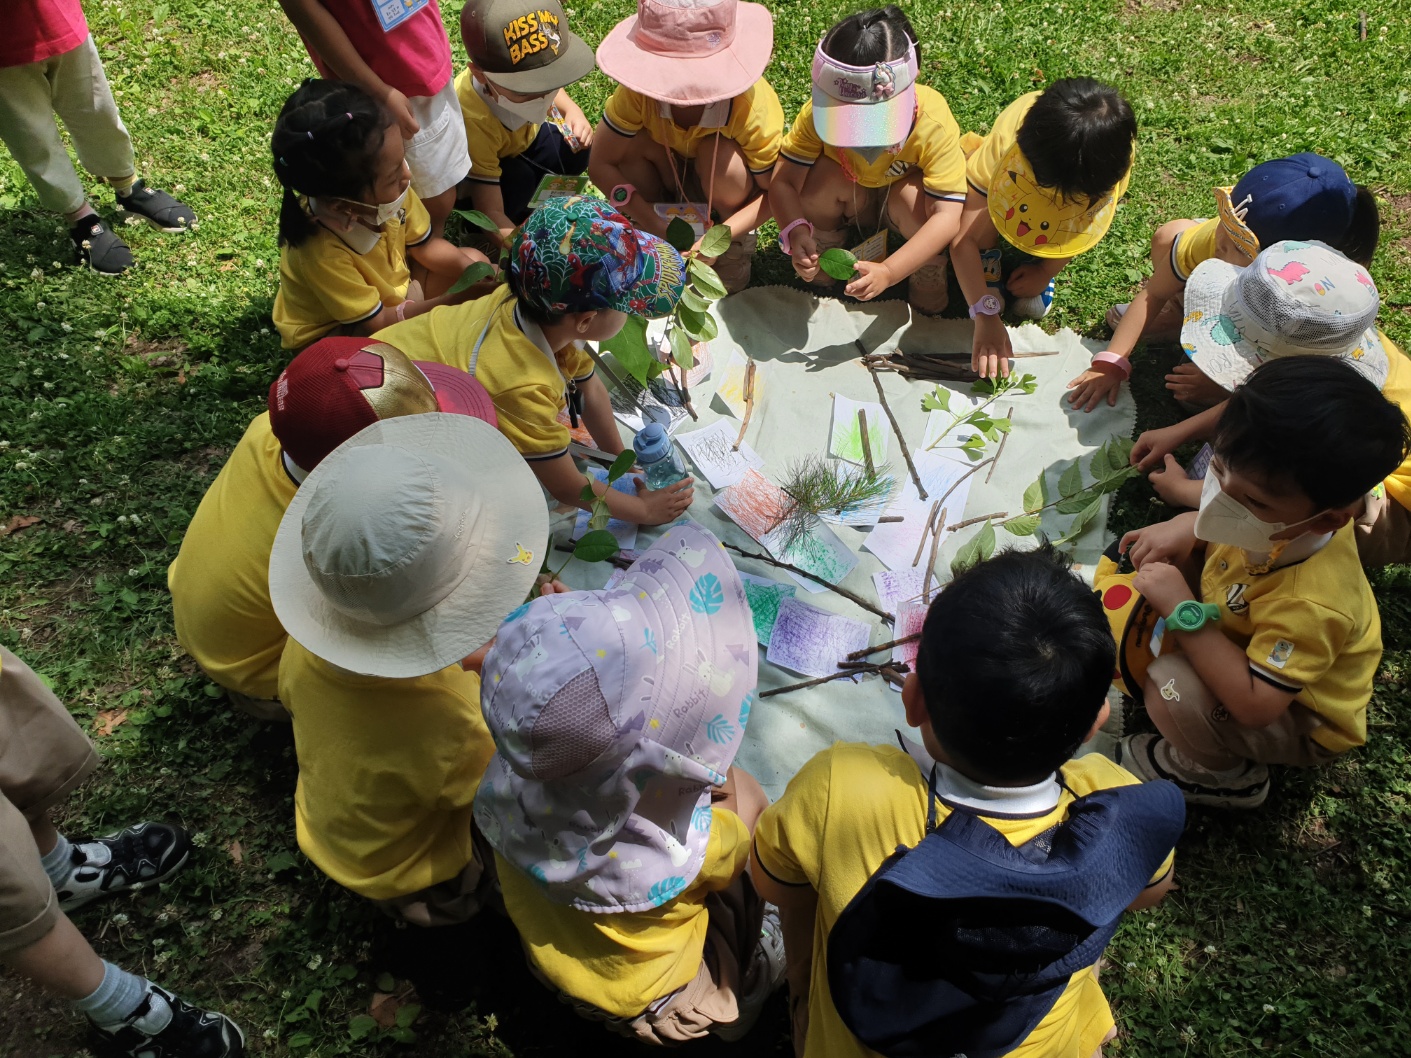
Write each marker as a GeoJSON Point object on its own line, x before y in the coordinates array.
{"type": "Point", "coordinates": [1279, 656]}
{"type": "Point", "coordinates": [392, 13]}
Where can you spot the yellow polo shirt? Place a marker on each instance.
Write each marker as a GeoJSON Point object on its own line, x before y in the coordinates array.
{"type": "Point", "coordinates": [325, 283]}
{"type": "Point", "coordinates": [833, 845]}
{"type": "Point", "coordinates": [486, 135]}
{"type": "Point", "coordinates": [1397, 389]}
{"type": "Point", "coordinates": [526, 380]}
{"type": "Point", "coordinates": [755, 122]}
{"type": "Point", "coordinates": [623, 963]}
{"type": "Point", "coordinates": [1311, 628]}
{"type": "Point", "coordinates": [219, 580]}
{"type": "Point", "coordinates": [388, 770]}
{"type": "Point", "coordinates": [933, 144]}
{"type": "Point", "coordinates": [1193, 246]}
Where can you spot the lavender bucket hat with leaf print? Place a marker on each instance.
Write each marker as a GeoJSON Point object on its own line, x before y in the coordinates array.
{"type": "Point", "coordinates": [614, 714]}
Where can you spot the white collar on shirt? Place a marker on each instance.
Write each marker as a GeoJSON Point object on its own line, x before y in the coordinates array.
{"type": "Point", "coordinates": [359, 238]}
{"type": "Point", "coordinates": [956, 789]}
{"type": "Point", "coordinates": [1303, 547]}
{"type": "Point", "coordinates": [296, 473]}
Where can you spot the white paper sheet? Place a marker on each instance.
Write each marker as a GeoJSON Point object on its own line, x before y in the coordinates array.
{"type": "Point", "coordinates": [895, 543]}
{"type": "Point", "coordinates": [845, 436]}
{"type": "Point", "coordinates": [712, 450]}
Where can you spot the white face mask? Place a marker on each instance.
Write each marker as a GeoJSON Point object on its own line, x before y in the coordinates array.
{"type": "Point", "coordinates": [1224, 520]}
{"type": "Point", "coordinates": [516, 115]}
{"type": "Point", "coordinates": [387, 210]}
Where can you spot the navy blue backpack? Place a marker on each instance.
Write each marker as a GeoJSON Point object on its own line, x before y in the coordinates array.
{"type": "Point", "coordinates": [960, 945]}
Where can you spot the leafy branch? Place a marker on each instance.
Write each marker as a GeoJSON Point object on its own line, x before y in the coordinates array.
{"type": "Point", "coordinates": [599, 545]}
{"type": "Point", "coordinates": [988, 428]}
{"type": "Point", "coordinates": [817, 486]}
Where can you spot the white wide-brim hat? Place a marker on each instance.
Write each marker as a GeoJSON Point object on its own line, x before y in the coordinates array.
{"type": "Point", "coordinates": [405, 548]}
{"type": "Point", "coordinates": [1294, 299]}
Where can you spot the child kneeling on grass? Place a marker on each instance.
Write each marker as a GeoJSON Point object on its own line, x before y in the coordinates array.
{"type": "Point", "coordinates": [397, 559]}
{"type": "Point", "coordinates": [621, 830]}
{"type": "Point", "coordinates": [1270, 635]}
{"type": "Point", "coordinates": [349, 220]}
{"type": "Point", "coordinates": [955, 897]}
{"type": "Point", "coordinates": [872, 147]}
{"type": "Point", "coordinates": [577, 269]}
{"type": "Point", "coordinates": [1304, 196]}
{"type": "Point", "coordinates": [219, 580]}
{"type": "Point", "coordinates": [1043, 188]}
{"type": "Point", "coordinates": [691, 78]}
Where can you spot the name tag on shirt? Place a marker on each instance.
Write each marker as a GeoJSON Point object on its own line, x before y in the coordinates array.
{"type": "Point", "coordinates": [392, 13]}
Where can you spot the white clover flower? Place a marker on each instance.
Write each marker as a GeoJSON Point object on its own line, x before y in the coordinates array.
{"type": "Point", "coordinates": [38, 273]}
{"type": "Point", "coordinates": [40, 305]}
{"type": "Point", "coordinates": [67, 328]}
{"type": "Point", "coordinates": [96, 501]}
{"type": "Point", "coordinates": [120, 919]}
{"type": "Point", "coordinates": [83, 481]}
{"type": "Point", "coordinates": [259, 262]}
{"type": "Point", "coordinates": [264, 330]}
{"type": "Point", "coordinates": [48, 385]}
{"type": "Point", "coordinates": [26, 633]}
{"type": "Point", "coordinates": [34, 416]}
{"type": "Point", "coordinates": [162, 957]}
{"type": "Point", "coordinates": [1210, 949]}
{"type": "Point", "coordinates": [5, 444]}
{"type": "Point", "coordinates": [98, 334]}
{"type": "Point", "coordinates": [200, 839]}
{"type": "Point", "coordinates": [137, 573]}
{"type": "Point", "coordinates": [285, 994]}
{"type": "Point", "coordinates": [315, 962]}
{"type": "Point", "coordinates": [55, 265]}
{"type": "Point", "coordinates": [21, 465]}
{"type": "Point", "coordinates": [63, 356]}
{"type": "Point", "coordinates": [1269, 1008]}
{"type": "Point", "coordinates": [122, 519]}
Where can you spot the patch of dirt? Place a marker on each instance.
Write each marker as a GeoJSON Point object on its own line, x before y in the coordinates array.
{"type": "Point", "coordinates": [204, 81]}
{"type": "Point", "coordinates": [36, 1025]}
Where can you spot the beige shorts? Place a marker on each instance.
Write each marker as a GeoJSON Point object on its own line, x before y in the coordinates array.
{"type": "Point", "coordinates": [43, 756]}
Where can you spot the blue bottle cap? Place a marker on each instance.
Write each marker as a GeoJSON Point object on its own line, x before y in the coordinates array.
{"type": "Point", "coordinates": [651, 443]}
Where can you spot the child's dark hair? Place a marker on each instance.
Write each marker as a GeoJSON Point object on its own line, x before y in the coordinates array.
{"type": "Point", "coordinates": [325, 143]}
{"type": "Point", "coordinates": [1362, 235]}
{"type": "Point", "coordinates": [1316, 423]}
{"type": "Point", "coordinates": [1078, 137]}
{"type": "Point", "coordinates": [879, 35]}
{"type": "Point", "coordinates": [1015, 659]}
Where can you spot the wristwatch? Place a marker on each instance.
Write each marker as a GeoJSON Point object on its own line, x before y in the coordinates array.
{"type": "Point", "coordinates": [1190, 616]}
{"type": "Point", "coordinates": [988, 305]}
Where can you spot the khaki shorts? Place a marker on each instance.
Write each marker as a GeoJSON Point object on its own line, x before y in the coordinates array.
{"type": "Point", "coordinates": [43, 756]}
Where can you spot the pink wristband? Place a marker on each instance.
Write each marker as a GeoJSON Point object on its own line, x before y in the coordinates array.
{"type": "Point", "coordinates": [1121, 363]}
{"type": "Point", "coordinates": [784, 234]}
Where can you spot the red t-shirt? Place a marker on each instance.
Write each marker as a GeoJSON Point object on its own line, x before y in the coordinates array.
{"type": "Point", "coordinates": [413, 57]}
{"type": "Point", "coordinates": [40, 29]}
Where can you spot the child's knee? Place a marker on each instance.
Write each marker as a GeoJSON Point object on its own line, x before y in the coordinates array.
{"type": "Point", "coordinates": [1177, 700]}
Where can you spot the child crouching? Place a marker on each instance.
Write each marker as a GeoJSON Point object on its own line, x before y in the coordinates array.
{"type": "Point", "coordinates": [621, 831]}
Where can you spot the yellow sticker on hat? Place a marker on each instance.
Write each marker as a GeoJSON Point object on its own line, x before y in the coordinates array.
{"type": "Point", "coordinates": [523, 557]}
{"type": "Point", "coordinates": [1039, 220]}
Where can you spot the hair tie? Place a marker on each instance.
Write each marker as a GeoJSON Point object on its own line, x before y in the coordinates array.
{"type": "Point", "coordinates": [348, 115]}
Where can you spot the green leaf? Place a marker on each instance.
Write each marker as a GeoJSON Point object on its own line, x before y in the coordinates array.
{"type": "Point", "coordinates": [1022, 525]}
{"type": "Point", "coordinates": [937, 400]}
{"type": "Point", "coordinates": [838, 263]}
{"type": "Point", "coordinates": [693, 300]}
{"type": "Point", "coordinates": [300, 1040]}
{"type": "Point", "coordinates": [621, 465]}
{"type": "Point", "coordinates": [1034, 496]}
{"type": "Point", "coordinates": [599, 545]}
{"type": "Point", "coordinates": [474, 273]}
{"type": "Point", "coordinates": [1071, 482]}
{"type": "Point", "coordinates": [600, 515]}
{"type": "Point", "coordinates": [709, 329]}
{"type": "Point", "coordinates": [1002, 425]}
{"type": "Point", "coordinates": [407, 1015]}
{"type": "Point", "coordinates": [588, 495]}
{"type": "Point", "coordinates": [1086, 515]}
{"type": "Point", "coordinates": [978, 548]}
{"type": "Point", "coordinates": [681, 349]}
{"type": "Point", "coordinates": [630, 348]}
{"type": "Point", "coordinates": [716, 240]}
{"type": "Point", "coordinates": [386, 982]}
{"type": "Point", "coordinates": [480, 220]}
{"type": "Point", "coordinates": [313, 999]}
{"type": "Point", "coordinates": [280, 861]}
{"type": "Point", "coordinates": [680, 234]}
{"type": "Point", "coordinates": [705, 278]}
{"type": "Point", "coordinates": [1075, 503]}
{"type": "Point", "coordinates": [361, 1026]}
{"type": "Point", "coordinates": [698, 325]}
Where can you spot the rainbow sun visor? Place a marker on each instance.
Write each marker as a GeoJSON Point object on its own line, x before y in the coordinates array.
{"type": "Point", "coordinates": [864, 106]}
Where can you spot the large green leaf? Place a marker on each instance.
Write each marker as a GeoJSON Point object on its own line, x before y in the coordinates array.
{"type": "Point", "coordinates": [599, 545]}
{"type": "Point", "coordinates": [630, 348]}
{"type": "Point", "coordinates": [599, 516]}
{"type": "Point", "coordinates": [1075, 503]}
{"type": "Point", "coordinates": [716, 240]}
{"type": "Point", "coordinates": [937, 400]}
{"type": "Point", "coordinates": [474, 273]}
{"type": "Point", "coordinates": [838, 263]}
{"type": "Point", "coordinates": [698, 325]}
{"type": "Point", "coordinates": [621, 465]}
{"type": "Point", "coordinates": [680, 234]}
{"type": "Point", "coordinates": [480, 220]}
{"type": "Point", "coordinates": [681, 349]}
{"type": "Point", "coordinates": [975, 550]}
{"type": "Point", "coordinates": [1034, 496]}
{"type": "Point", "coordinates": [1022, 525]}
{"type": "Point", "coordinates": [706, 281]}
{"type": "Point", "coordinates": [1071, 482]}
{"type": "Point", "coordinates": [1086, 515]}
{"type": "Point", "coordinates": [691, 298]}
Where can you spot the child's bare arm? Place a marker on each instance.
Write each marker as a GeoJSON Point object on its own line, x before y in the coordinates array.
{"type": "Point", "coordinates": [611, 151]}
{"type": "Point", "coordinates": [798, 913]}
{"type": "Point", "coordinates": [565, 482]}
{"type": "Point", "coordinates": [786, 201]}
{"type": "Point", "coordinates": [1154, 894]}
{"type": "Point", "coordinates": [579, 127]}
{"type": "Point", "coordinates": [1153, 446]}
{"type": "Point", "coordinates": [442, 257]}
{"type": "Point", "coordinates": [990, 350]}
{"type": "Point", "coordinates": [597, 414]}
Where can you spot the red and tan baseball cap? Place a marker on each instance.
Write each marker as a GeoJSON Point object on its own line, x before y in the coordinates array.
{"type": "Point", "coordinates": [338, 386]}
{"type": "Point", "coordinates": [524, 45]}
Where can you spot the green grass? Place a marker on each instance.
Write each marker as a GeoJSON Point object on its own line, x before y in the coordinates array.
{"type": "Point", "coordinates": [121, 398]}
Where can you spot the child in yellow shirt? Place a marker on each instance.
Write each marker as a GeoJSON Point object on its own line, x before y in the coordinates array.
{"type": "Point", "coordinates": [872, 147]}
{"type": "Point", "coordinates": [520, 123]}
{"type": "Point", "coordinates": [349, 220]}
{"type": "Point", "coordinates": [1269, 635]}
{"type": "Point", "coordinates": [1043, 188]}
{"type": "Point", "coordinates": [1011, 676]}
{"type": "Point", "coordinates": [621, 830]}
{"type": "Point", "coordinates": [692, 119]}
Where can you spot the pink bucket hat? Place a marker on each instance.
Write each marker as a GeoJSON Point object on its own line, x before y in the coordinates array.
{"type": "Point", "coordinates": [614, 714]}
{"type": "Point", "coordinates": [689, 52]}
{"type": "Point", "coordinates": [864, 106]}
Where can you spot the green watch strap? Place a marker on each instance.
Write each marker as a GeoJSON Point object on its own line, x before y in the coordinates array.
{"type": "Point", "coordinates": [1191, 616]}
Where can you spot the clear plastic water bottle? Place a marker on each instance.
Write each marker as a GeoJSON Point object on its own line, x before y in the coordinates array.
{"type": "Point", "coordinates": [657, 456]}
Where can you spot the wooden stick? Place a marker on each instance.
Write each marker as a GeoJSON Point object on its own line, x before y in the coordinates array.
{"type": "Point", "coordinates": [681, 388]}
{"type": "Point", "coordinates": [749, 406]}
{"type": "Point", "coordinates": [1362, 27]}
{"type": "Point", "coordinates": [977, 466]}
{"type": "Point", "coordinates": [843, 675]}
{"type": "Point", "coordinates": [850, 596]}
{"type": "Point", "coordinates": [931, 560]}
{"type": "Point", "coordinates": [925, 529]}
{"type": "Point", "coordinates": [866, 444]}
{"type": "Point", "coordinates": [896, 428]}
{"type": "Point", "coordinates": [978, 518]}
{"type": "Point", "coordinates": [1002, 442]}
{"type": "Point", "coordinates": [891, 518]}
{"type": "Point", "coordinates": [884, 646]}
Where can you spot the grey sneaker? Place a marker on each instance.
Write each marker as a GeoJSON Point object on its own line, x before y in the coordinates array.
{"type": "Point", "coordinates": [1151, 757]}
{"type": "Point", "coordinates": [764, 974]}
{"type": "Point", "coordinates": [164, 1026]}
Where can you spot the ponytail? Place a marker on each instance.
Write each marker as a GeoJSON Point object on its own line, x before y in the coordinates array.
{"type": "Point", "coordinates": [325, 144]}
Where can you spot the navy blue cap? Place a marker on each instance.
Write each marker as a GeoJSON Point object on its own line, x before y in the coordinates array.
{"type": "Point", "coordinates": [1303, 196]}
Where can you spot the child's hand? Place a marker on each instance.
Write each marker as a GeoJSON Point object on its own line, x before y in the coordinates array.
{"type": "Point", "coordinates": [548, 586]}
{"type": "Point", "coordinates": [1192, 385]}
{"type": "Point", "coordinates": [578, 125]}
{"type": "Point", "coordinates": [1162, 585]}
{"type": "Point", "coordinates": [804, 253]}
{"type": "Point", "coordinates": [1098, 383]}
{"type": "Point", "coordinates": [1168, 541]}
{"type": "Point", "coordinates": [474, 662]}
{"type": "Point", "coordinates": [1173, 486]}
{"type": "Point", "coordinates": [989, 356]}
{"type": "Point", "coordinates": [401, 110]}
{"type": "Point", "coordinates": [1027, 281]}
{"type": "Point", "coordinates": [873, 277]}
{"type": "Point", "coordinates": [1155, 445]}
{"type": "Point", "coordinates": [665, 505]}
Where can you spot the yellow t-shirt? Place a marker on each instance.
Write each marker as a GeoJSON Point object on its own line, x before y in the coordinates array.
{"type": "Point", "coordinates": [325, 282]}
{"type": "Point", "coordinates": [623, 963]}
{"type": "Point", "coordinates": [1311, 627]}
{"type": "Point", "coordinates": [525, 379]}
{"type": "Point", "coordinates": [219, 580]}
{"type": "Point", "coordinates": [755, 123]}
{"type": "Point", "coordinates": [933, 144]}
{"type": "Point", "coordinates": [1192, 247]}
{"type": "Point", "coordinates": [982, 168]}
{"type": "Point", "coordinates": [834, 845]}
{"type": "Point", "coordinates": [486, 135]}
{"type": "Point", "coordinates": [388, 771]}
{"type": "Point", "coordinates": [1397, 389]}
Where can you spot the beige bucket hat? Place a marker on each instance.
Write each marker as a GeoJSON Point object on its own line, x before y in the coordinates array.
{"type": "Point", "coordinates": [406, 547]}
